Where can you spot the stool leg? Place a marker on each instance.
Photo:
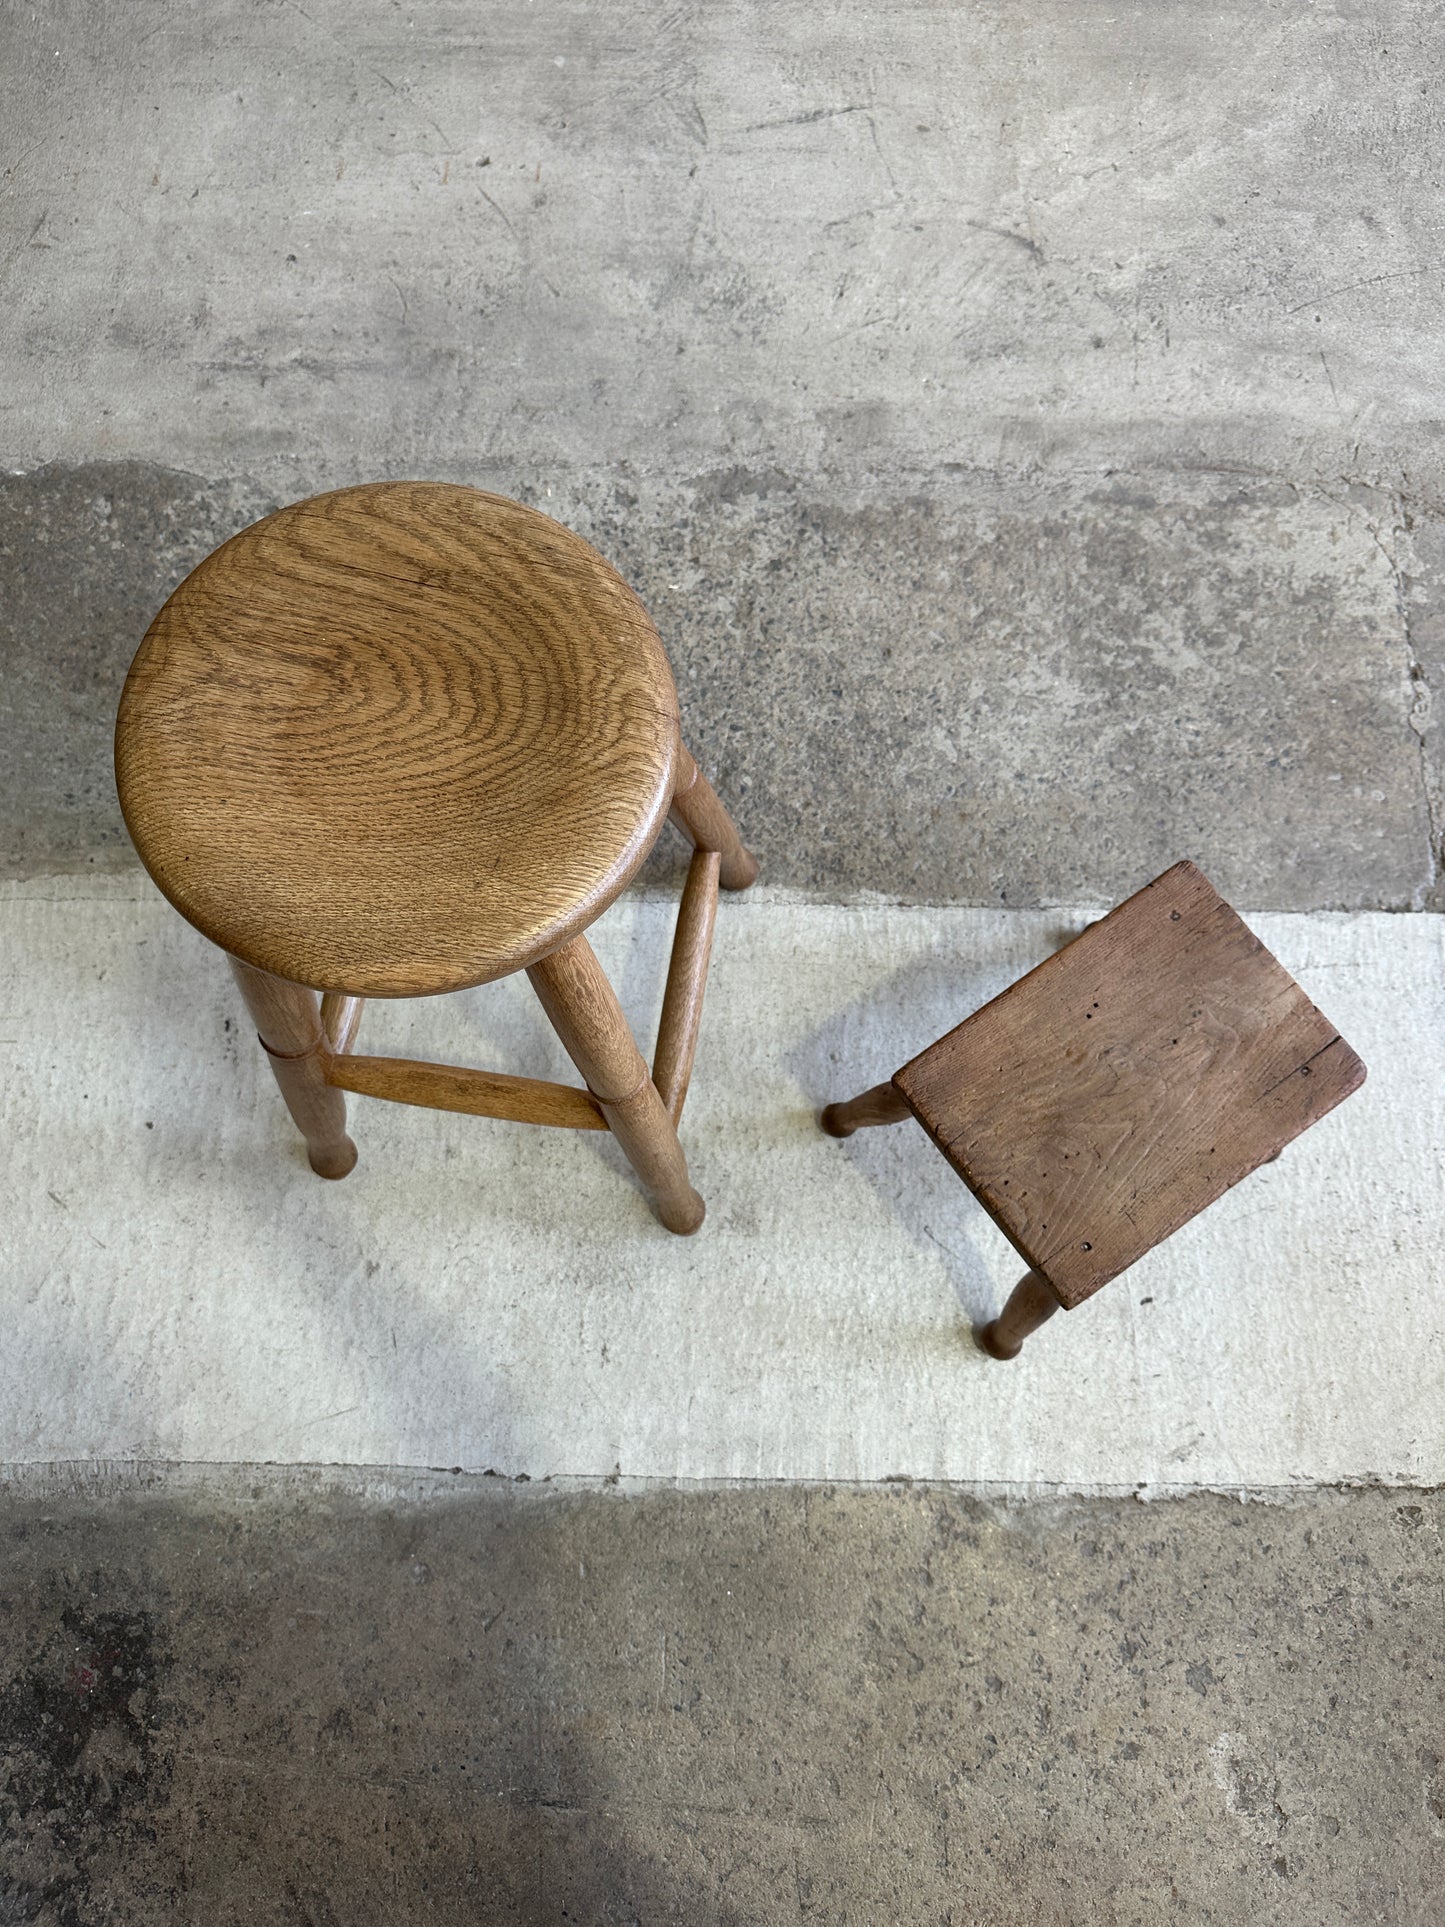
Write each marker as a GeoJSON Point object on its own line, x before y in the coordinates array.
{"type": "Point", "coordinates": [586, 1015]}
{"type": "Point", "coordinates": [1031, 1302]}
{"type": "Point", "coordinates": [288, 1019]}
{"type": "Point", "coordinates": [881, 1105]}
{"type": "Point", "coordinates": [707, 825]}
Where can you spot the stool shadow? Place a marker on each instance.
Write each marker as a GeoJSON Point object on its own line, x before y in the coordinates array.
{"type": "Point", "coordinates": [862, 1044]}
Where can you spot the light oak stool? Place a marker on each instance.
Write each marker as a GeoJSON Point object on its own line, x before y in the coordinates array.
{"type": "Point", "coordinates": [408, 738]}
{"type": "Point", "coordinates": [1115, 1091]}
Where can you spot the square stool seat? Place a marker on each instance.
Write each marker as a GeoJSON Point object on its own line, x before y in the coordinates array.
{"type": "Point", "coordinates": [1122, 1086]}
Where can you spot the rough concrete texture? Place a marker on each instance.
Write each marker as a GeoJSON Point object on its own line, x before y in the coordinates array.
{"type": "Point", "coordinates": [291, 1704]}
{"type": "Point", "coordinates": [1025, 421]}
{"type": "Point", "coordinates": [87, 556]}
{"type": "Point", "coordinates": [1026, 424]}
{"type": "Point", "coordinates": [175, 1283]}
{"type": "Point", "coordinates": [1021, 696]}
{"type": "Point", "coordinates": [275, 239]}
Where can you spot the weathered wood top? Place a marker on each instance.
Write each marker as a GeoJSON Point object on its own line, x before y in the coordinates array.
{"type": "Point", "coordinates": [397, 739]}
{"type": "Point", "coordinates": [1118, 1089]}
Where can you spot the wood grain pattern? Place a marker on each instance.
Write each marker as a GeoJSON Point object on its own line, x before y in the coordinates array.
{"type": "Point", "coordinates": [340, 1020]}
{"type": "Point", "coordinates": [397, 740]}
{"type": "Point", "coordinates": [406, 738]}
{"type": "Point", "coordinates": [699, 814]}
{"type": "Point", "coordinates": [686, 982]}
{"type": "Point", "coordinates": [1121, 1087]}
{"type": "Point", "coordinates": [450, 1087]}
{"type": "Point", "coordinates": [584, 1012]}
{"type": "Point", "coordinates": [288, 1020]}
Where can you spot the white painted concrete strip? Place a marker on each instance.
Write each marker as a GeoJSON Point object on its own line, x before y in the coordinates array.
{"type": "Point", "coordinates": [176, 1285]}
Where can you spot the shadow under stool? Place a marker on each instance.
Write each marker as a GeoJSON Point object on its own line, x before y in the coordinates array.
{"type": "Point", "coordinates": [408, 738]}
{"type": "Point", "coordinates": [1111, 1094]}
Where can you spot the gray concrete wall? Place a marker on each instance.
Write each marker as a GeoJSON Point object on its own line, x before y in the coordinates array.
{"type": "Point", "coordinates": [1024, 420]}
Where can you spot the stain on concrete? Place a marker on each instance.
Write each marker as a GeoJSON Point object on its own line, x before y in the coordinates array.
{"type": "Point", "coordinates": [1000, 696]}
{"type": "Point", "coordinates": [972, 693]}
{"type": "Point", "coordinates": [84, 1769]}
{"type": "Point", "coordinates": [468, 1700]}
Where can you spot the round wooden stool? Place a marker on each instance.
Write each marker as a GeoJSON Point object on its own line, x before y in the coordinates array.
{"type": "Point", "coordinates": [408, 738]}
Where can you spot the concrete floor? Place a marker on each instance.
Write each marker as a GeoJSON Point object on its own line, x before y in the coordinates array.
{"type": "Point", "coordinates": [1032, 456]}
{"type": "Point", "coordinates": [269, 1699]}
{"type": "Point", "coordinates": [180, 1286]}
{"type": "Point", "coordinates": [1024, 422]}
{"type": "Point", "coordinates": [1003, 693]}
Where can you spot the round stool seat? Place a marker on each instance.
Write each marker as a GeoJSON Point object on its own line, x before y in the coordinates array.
{"type": "Point", "coordinates": [396, 740]}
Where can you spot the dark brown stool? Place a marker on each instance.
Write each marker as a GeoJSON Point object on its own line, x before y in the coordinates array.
{"type": "Point", "coordinates": [1115, 1091]}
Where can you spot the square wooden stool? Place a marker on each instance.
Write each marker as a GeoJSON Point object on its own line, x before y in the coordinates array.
{"type": "Point", "coordinates": [1115, 1091]}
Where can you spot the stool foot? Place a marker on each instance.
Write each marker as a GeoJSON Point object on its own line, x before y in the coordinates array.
{"type": "Point", "coordinates": [738, 872]}
{"type": "Point", "coordinates": [699, 814]}
{"type": "Point", "coordinates": [287, 1017]}
{"type": "Point", "coordinates": [684, 1215]}
{"type": "Point", "coordinates": [1031, 1303]}
{"type": "Point", "coordinates": [336, 1161]}
{"type": "Point", "coordinates": [881, 1105]}
{"type": "Point", "coordinates": [584, 1012]}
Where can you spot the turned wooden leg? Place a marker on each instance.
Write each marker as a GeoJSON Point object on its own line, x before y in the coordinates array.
{"type": "Point", "coordinates": [707, 826]}
{"type": "Point", "coordinates": [288, 1018]}
{"type": "Point", "coordinates": [340, 1017]}
{"type": "Point", "coordinates": [881, 1105]}
{"type": "Point", "coordinates": [686, 981]}
{"type": "Point", "coordinates": [586, 1015]}
{"type": "Point", "coordinates": [1031, 1302]}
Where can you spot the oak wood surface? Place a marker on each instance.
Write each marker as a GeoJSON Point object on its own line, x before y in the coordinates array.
{"type": "Point", "coordinates": [288, 1021]}
{"type": "Point", "coordinates": [583, 1010]}
{"type": "Point", "coordinates": [450, 1087]}
{"type": "Point", "coordinates": [340, 1019]}
{"type": "Point", "coordinates": [397, 740]}
{"type": "Point", "coordinates": [700, 815]}
{"type": "Point", "coordinates": [1128, 1081]}
{"type": "Point", "coordinates": [687, 967]}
